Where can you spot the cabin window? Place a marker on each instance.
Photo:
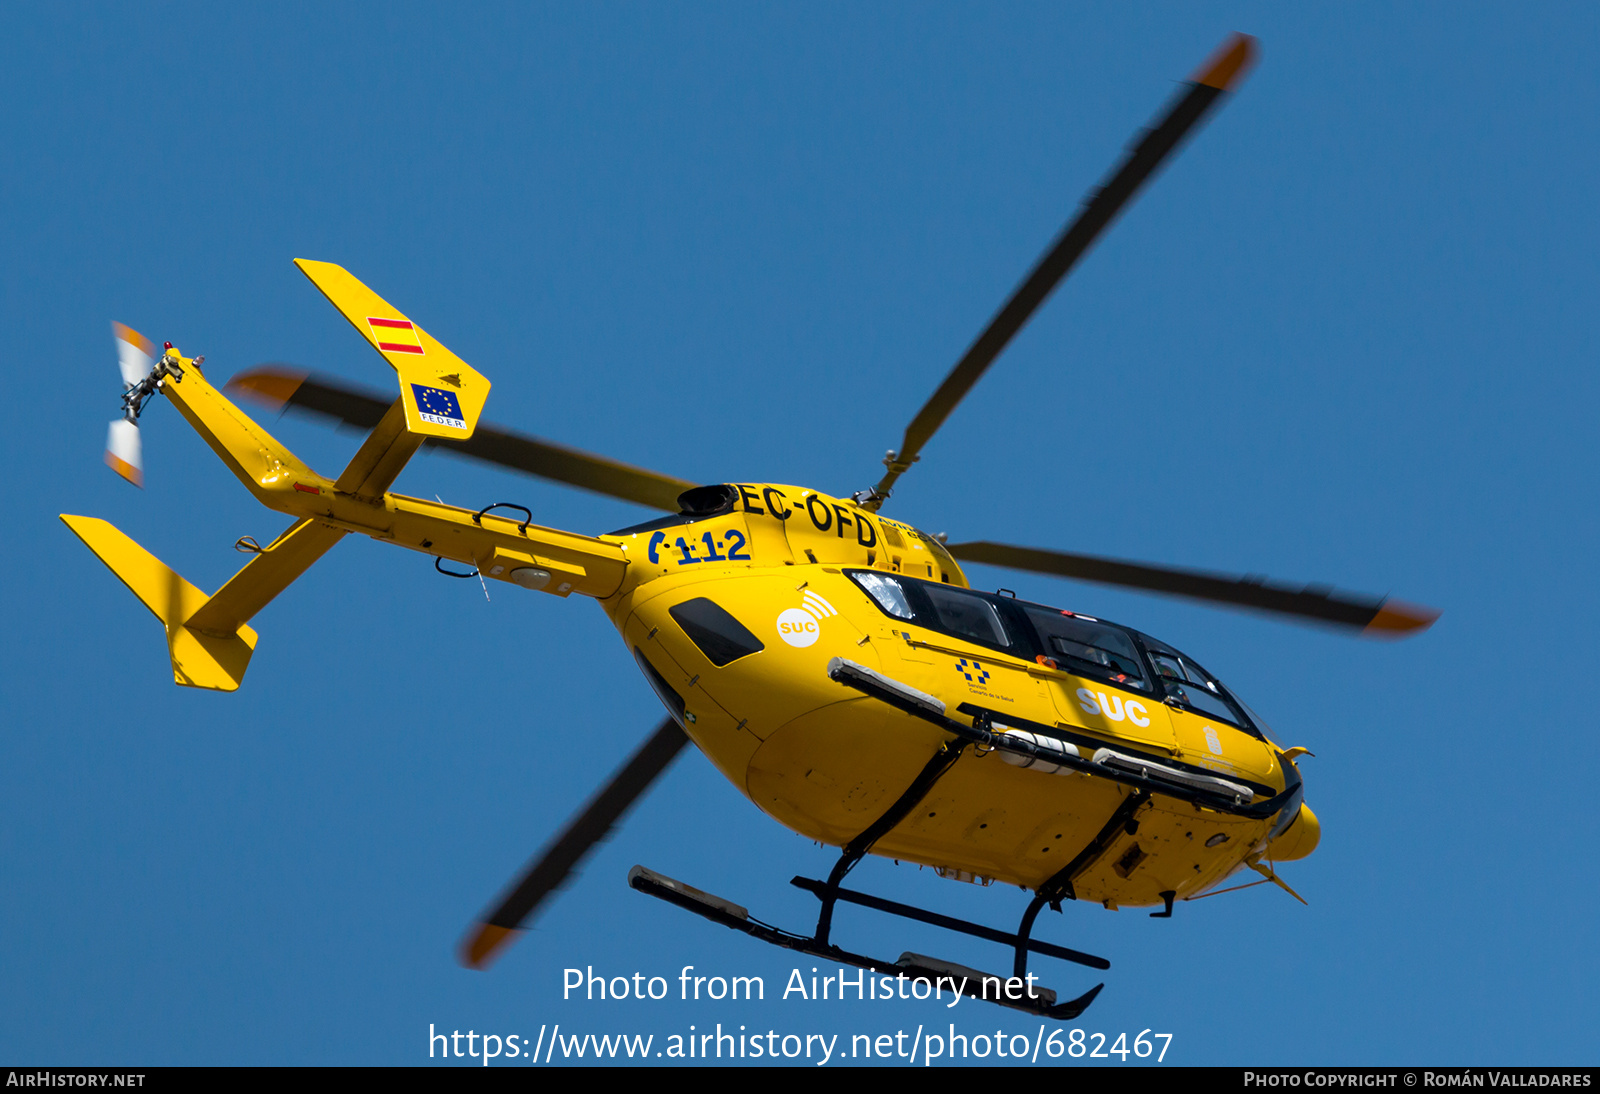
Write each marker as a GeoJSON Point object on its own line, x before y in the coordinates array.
{"type": "Point", "coordinates": [721, 637]}
{"type": "Point", "coordinates": [1088, 648]}
{"type": "Point", "coordinates": [669, 698]}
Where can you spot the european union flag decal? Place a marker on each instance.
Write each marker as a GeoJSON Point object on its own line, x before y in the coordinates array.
{"type": "Point", "coordinates": [438, 406]}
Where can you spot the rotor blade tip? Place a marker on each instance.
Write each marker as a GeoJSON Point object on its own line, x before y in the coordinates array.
{"type": "Point", "coordinates": [133, 338]}
{"type": "Point", "coordinates": [125, 469]}
{"type": "Point", "coordinates": [480, 949]}
{"type": "Point", "coordinates": [1228, 64]}
{"type": "Point", "coordinates": [1397, 619]}
{"type": "Point", "coordinates": [269, 385]}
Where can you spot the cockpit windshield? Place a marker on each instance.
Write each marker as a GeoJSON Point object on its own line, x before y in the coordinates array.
{"type": "Point", "coordinates": [1191, 686]}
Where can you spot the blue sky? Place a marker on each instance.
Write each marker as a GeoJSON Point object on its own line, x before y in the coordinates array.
{"type": "Point", "coordinates": [1347, 336]}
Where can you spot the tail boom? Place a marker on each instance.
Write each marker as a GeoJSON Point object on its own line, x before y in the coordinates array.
{"type": "Point", "coordinates": [209, 637]}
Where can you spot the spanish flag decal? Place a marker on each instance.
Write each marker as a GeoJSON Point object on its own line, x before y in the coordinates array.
{"type": "Point", "coordinates": [395, 335]}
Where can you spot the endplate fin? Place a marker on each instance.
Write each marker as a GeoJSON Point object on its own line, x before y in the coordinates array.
{"type": "Point", "coordinates": [200, 659]}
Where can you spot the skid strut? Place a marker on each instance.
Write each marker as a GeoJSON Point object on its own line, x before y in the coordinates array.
{"type": "Point", "coordinates": [973, 983]}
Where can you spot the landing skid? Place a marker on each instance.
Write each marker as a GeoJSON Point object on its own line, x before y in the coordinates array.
{"type": "Point", "coordinates": [985, 987]}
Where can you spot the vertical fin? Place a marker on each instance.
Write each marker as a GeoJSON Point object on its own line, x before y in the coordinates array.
{"type": "Point", "coordinates": [381, 457]}
{"type": "Point", "coordinates": [443, 395]}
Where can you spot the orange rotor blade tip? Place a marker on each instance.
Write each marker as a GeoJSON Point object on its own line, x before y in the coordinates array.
{"type": "Point", "coordinates": [268, 386]}
{"type": "Point", "coordinates": [127, 470]}
{"type": "Point", "coordinates": [133, 338]}
{"type": "Point", "coordinates": [480, 949]}
{"type": "Point", "coordinates": [1228, 64]}
{"type": "Point", "coordinates": [1397, 619]}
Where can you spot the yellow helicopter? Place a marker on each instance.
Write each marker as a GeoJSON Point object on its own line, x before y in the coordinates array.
{"type": "Point", "coordinates": [834, 664]}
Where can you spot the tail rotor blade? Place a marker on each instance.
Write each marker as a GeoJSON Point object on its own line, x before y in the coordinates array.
{"type": "Point", "coordinates": [136, 354]}
{"type": "Point", "coordinates": [560, 857]}
{"type": "Point", "coordinates": [136, 360]}
{"type": "Point", "coordinates": [124, 453]}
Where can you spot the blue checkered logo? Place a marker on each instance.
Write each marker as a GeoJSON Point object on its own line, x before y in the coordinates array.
{"type": "Point", "coordinates": [973, 671]}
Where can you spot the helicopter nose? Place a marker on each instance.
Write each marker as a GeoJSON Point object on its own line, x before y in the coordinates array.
{"type": "Point", "coordinates": [1300, 838]}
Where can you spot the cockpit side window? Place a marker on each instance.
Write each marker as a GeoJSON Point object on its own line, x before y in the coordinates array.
{"type": "Point", "coordinates": [974, 616]}
{"type": "Point", "coordinates": [1088, 647]}
{"type": "Point", "coordinates": [967, 614]}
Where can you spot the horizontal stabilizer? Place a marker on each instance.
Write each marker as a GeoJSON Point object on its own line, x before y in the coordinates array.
{"type": "Point", "coordinates": [272, 570]}
{"type": "Point", "coordinates": [200, 658]}
{"type": "Point", "coordinates": [443, 395]}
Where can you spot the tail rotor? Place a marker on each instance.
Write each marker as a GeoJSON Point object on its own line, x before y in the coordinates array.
{"type": "Point", "coordinates": [136, 358]}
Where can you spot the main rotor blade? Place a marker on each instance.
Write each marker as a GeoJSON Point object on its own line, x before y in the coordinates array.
{"type": "Point", "coordinates": [1375, 618]}
{"type": "Point", "coordinates": [561, 856]}
{"type": "Point", "coordinates": [1220, 73]}
{"type": "Point", "coordinates": [282, 387]}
